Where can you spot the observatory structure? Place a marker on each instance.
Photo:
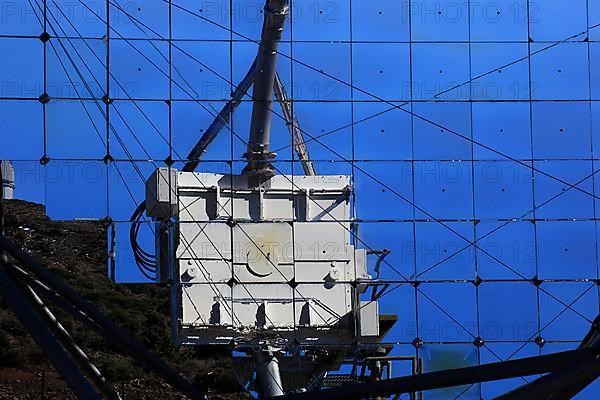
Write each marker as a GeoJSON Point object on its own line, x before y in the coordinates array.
{"type": "Point", "coordinates": [281, 271]}
{"type": "Point", "coordinates": [267, 263]}
{"type": "Point", "coordinates": [263, 261]}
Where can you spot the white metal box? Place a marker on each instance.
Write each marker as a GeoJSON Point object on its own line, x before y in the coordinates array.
{"type": "Point", "coordinates": [275, 258]}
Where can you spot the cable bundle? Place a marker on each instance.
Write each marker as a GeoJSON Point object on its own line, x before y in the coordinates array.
{"type": "Point", "coordinates": [145, 261]}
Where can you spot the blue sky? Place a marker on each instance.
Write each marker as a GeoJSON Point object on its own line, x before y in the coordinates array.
{"type": "Point", "coordinates": [476, 134]}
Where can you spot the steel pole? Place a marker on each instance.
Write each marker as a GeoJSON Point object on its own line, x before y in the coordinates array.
{"type": "Point", "coordinates": [267, 374]}
{"type": "Point", "coordinates": [258, 154]}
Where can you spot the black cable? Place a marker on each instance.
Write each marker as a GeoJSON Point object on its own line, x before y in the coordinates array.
{"type": "Point", "coordinates": [427, 120]}
{"type": "Point", "coordinates": [135, 20]}
{"type": "Point", "coordinates": [141, 208]}
{"type": "Point", "coordinates": [143, 259]}
{"type": "Point", "coordinates": [142, 266]}
{"type": "Point", "coordinates": [393, 190]}
{"type": "Point", "coordinates": [139, 212]}
{"type": "Point", "coordinates": [414, 205]}
{"type": "Point", "coordinates": [372, 177]}
{"type": "Point", "coordinates": [215, 115]}
{"type": "Point", "coordinates": [68, 75]}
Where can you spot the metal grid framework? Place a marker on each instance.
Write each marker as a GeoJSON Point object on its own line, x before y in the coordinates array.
{"type": "Point", "coordinates": [469, 130]}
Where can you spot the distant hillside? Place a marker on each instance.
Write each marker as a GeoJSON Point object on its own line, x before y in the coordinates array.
{"type": "Point", "coordinates": [77, 252]}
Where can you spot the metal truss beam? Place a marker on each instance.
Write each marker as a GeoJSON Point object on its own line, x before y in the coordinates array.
{"type": "Point", "coordinates": [69, 344]}
{"type": "Point", "coordinates": [567, 382]}
{"type": "Point", "coordinates": [563, 384]}
{"type": "Point", "coordinates": [449, 378]}
{"type": "Point", "coordinates": [85, 311]}
{"type": "Point", "coordinates": [37, 328]}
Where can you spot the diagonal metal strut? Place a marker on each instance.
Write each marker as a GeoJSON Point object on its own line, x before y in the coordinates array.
{"type": "Point", "coordinates": [37, 328]}
{"type": "Point", "coordinates": [293, 125]}
{"type": "Point", "coordinates": [463, 376]}
{"type": "Point", "coordinates": [72, 302]}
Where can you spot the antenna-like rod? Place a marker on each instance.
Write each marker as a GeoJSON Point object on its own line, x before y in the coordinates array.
{"type": "Point", "coordinates": [258, 155]}
{"type": "Point", "coordinates": [294, 127]}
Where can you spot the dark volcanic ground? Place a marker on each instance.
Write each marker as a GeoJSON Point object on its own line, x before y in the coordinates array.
{"type": "Point", "coordinates": [77, 252]}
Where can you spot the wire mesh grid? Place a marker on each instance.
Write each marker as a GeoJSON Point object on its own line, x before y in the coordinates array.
{"type": "Point", "coordinates": [469, 131]}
